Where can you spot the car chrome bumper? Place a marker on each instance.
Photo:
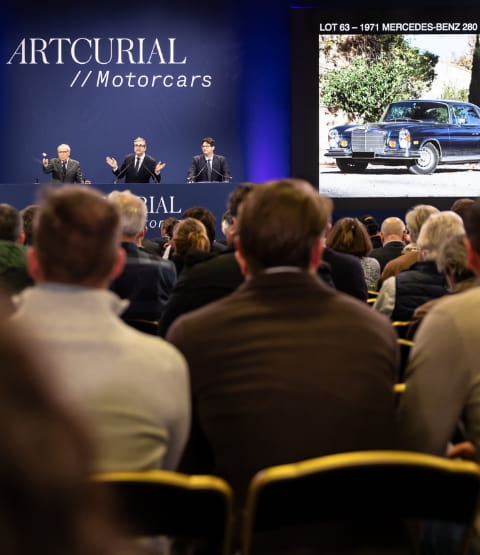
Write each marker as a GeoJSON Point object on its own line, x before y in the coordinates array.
{"type": "Point", "coordinates": [393, 155]}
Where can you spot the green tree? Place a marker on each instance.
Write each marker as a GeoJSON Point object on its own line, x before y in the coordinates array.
{"type": "Point", "coordinates": [382, 69]}
{"type": "Point", "coordinates": [451, 92]}
{"type": "Point", "coordinates": [474, 92]}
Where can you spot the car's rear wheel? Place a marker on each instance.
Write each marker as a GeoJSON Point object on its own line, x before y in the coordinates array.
{"type": "Point", "coordinates": [351, 166]}
{"type": "Point", "coordinates": [428, 161]}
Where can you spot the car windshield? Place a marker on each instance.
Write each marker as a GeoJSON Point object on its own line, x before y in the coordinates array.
{"type": "Point", "coordinates": [433, 112]}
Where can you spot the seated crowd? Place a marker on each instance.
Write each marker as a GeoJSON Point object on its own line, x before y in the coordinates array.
{"type": "Point", "coordinates": [264, 350]}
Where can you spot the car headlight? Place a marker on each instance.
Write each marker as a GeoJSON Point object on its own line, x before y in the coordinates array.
{"type": "Point", "coordinates": [404, 139]}
{"type": "Point", "coordinates": [333, 138]}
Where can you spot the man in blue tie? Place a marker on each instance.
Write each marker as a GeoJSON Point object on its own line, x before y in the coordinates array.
{"type": "Point", "coordinates": [208, 166]}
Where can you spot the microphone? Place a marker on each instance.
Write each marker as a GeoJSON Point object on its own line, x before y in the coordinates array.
{"type": "Point", "coordinates": [124, 171]}
{"type": "Point", "coordinates": [152, 174]}
{"type": "Point", "coordinates": [44, 154]}
{"type": "Point", "coordinates": [226, 178]}
{"type": "Point", "coordinates": [192, 178]}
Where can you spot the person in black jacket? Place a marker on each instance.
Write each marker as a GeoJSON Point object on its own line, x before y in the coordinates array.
{"type": "Point", "coordinates": [137, 167]}
{"type": "Point", "coordinates": [208, 166]}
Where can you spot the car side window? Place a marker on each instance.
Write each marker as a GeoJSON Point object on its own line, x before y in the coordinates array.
{"type": "Point", "coordinates": [466, 115]}
{"type": "Point", "coordinates": [437, 114]}
{"type": "Point", "coordinates": [472, 117]}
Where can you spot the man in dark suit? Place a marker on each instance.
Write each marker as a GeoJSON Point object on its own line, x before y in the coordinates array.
{"type": "Point", "coordinates": [146, 280]}
{"type": "Point", "coordinates": [393, 234]}
{"type": "Point", "coordinates": [137, 167]}
{"type": "Point", "coordinates": [208, 166]}
{"type": "Point", "coordinates": [63, 169]}
{"type": "Point", "coordinates": [284, 368]}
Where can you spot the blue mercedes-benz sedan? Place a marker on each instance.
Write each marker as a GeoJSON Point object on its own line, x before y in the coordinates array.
{"type": "Point", "coordinates": [419, 134]}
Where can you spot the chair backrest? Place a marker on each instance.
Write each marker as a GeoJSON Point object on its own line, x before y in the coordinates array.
{"type": "Point", "coordinates": [401, 327]}
{"type": "Point", "coordinates": [374, 484]}
{"type": "Point", "coordinates": [165, 503]}
{"type": "Point", "coordinates": [405, 346]}
{"type": "Point", "coordinates": [147, 326]}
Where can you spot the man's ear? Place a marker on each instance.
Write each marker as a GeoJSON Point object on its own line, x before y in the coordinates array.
{"type": "Point", "coordinates": [316, 254]}
{"type": "Point", "coordinates": [240, 258]}
{"type": "Point", "coordinates": [140, 237]}
{"type": "Point", "coordinates": [119, 263]}
{"type": "Point", "coordinates": [33, 265]}
{"type": "Point", "coordinates": [22, 237]}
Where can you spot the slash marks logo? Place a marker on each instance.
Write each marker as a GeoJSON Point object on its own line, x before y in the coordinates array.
{"type": "Point", "coordinates": [96, 51]}
{"type": "Point", "coordinates": [107, 79]}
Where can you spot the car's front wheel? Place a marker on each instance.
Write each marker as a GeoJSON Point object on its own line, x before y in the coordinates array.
{"type": "Point", "coordinates": [351, 166]}
{"type": "Point", "coordinates": [428, 161]}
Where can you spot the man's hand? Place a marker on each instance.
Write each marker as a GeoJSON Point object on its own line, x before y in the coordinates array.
{"type": "Point", "coordinates": [111, 162]}
{"type": "Point", "coordinates": [159, 167]}
{"type": "Point", "coordinates": [463, 450]}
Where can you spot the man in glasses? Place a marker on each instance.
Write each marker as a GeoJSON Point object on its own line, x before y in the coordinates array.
{"type": "Point", "coordinates": [208, 166]}
{"type": "Point", "coordinates": [138, 167]}
{"type": "Point", "coordinates": [63, 169]}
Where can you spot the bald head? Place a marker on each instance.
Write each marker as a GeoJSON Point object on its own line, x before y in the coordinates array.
{"type": "Point", "coordinates": [393, 229]}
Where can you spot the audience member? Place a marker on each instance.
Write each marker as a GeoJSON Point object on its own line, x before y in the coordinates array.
{"type": "Point", "coordinates": [27, 214]}
{"type": "Point", "coordinates": [346, 273]}
{"type": "Point", "coordinates": [226, 224]}
{"type": "Point", "coordinates": [131, 387]}
{"type": "Point", "coordinates": [270, 388]}
{"type": "Point", "coordinates": [400, 295]}
{"type": "Point", "coordinates": [190, 243]}
{"type": "Point", "coordinates": [158, 245]}
{"type": "Point", "coordinates": [212, 278]}
{"type": "Point", "coordinates": [453, 264]}
{"type": "Point", "coordinates": [393, 234]}
{"type": "Point", "coordinates": [46, 503]}
{"type": "Point", "coordinates": [349, 235]}
{"type": "Point", "coordinates": [146, 280]}
{"type": "Point", "coordinates": [373, 230]}
{"type": "Point", "coordinates": [170, 225]}
{"type": "Point", "coordinates": [414, 219]}
{"type": "Point", "coordinates": [208, 220]}
{"type": "Point", "coordinates": [443, 370]}
{"type": "Point", "coordinates": [13, 263]}
{"type": "Point", "coordinates": [461, 206]}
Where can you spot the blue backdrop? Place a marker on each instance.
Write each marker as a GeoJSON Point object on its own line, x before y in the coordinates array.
{"type": "Point", "coordinates": [220, 69]}
{"type": "Point", "coordinates": [170, 72]}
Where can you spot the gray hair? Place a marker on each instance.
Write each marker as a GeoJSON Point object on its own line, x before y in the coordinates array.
{"type": "Point", "coordinates": [452, 255]}
{"type": "Point", "coordinates": [436, 229]}
{"type": "Point", "coordinates": [133, 212]}
{"type": "Point", "coordinates": [416, 217]}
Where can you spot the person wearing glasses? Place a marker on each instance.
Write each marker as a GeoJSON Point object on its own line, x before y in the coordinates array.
{"type": "Point", "coordinates": [63, 169]}
{"type": "Point", "coordinates": [138, 167]}
{"type": "Point", "coordinates": [208, 166]}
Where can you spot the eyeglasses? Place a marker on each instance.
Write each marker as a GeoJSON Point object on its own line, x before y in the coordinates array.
{"type": "Point", "coordinates": [136, 144]}
{"type": "Point", "coordinates": [62, 151]}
